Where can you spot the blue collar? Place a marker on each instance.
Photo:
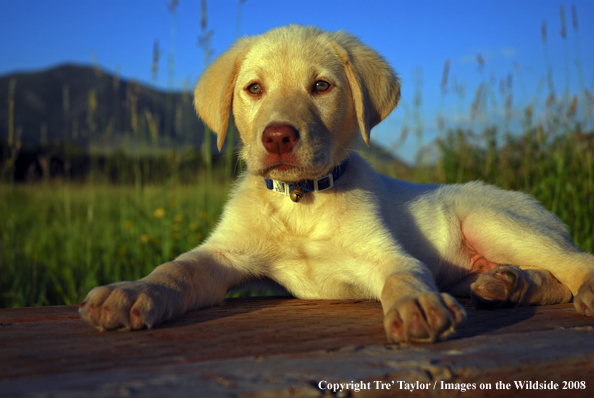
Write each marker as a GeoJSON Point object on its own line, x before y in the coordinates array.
{"type": "Point", "coordinates": [297, 190]}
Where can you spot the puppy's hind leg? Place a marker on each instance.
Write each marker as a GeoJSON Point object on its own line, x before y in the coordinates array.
{"type": "Point", "coordinates": [544, 266]}
{"type": "Point", "coordinates": [510, 286]}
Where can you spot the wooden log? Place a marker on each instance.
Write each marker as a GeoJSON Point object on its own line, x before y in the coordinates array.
{"type": "Point", "coordinates": [288, 347]}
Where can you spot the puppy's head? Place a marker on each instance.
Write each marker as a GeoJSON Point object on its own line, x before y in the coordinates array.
{"type": "Point", "coordinates": [301, 98]}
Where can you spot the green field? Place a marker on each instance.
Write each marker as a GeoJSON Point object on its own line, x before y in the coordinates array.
{"type": "Point", "coordinates": [59, 239]}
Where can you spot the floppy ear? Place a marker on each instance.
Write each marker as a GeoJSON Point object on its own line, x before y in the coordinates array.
{"type": "Point", "coordinates": [374, 85]}
{"type": "Point", "coordinates": [213, 94]}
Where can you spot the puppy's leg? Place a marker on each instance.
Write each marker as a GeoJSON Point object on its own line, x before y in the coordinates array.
{"type": "Point", "coordinates": [197, 279]}
{"type": "Point", "coordinates": [510, 286]}
{"type": "Point", "coordinates": [536, 246]}
{"type": "Point", "coordinates": [414, 311]}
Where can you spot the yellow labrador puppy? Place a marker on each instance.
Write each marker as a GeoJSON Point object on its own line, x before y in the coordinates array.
{"type": "Point", "coordinates": [313, 216]}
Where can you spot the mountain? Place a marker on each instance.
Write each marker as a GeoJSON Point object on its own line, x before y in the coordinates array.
{"type": "Point", "coordinates": [94, 109]}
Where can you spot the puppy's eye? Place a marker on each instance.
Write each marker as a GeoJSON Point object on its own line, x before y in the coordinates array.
{"type": "Point", "coordinates": [320, 86]}
{"type": "Point", "coordinates": [255, 88]}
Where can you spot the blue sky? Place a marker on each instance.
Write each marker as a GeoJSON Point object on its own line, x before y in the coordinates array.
{"type": "Point", "coordinates": [416, 37]}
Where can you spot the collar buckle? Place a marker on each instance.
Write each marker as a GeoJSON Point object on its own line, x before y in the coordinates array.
{"type": "Point", "coordinates": [316, 183]}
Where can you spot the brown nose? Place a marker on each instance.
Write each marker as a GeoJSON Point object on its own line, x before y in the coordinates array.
{"type": "Point", "coordinates": [280, 138]}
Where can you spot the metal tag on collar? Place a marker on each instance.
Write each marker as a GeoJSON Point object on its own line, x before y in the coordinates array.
{"type": "Point", "coordinates": [297, 194]}
{"type": "Point", "coordinates": [330, 178]}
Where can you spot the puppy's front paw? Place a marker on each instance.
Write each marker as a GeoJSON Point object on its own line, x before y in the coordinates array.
{"type": "Point", "coordinates": [426, 318]}
{"type": "Point", "coordinates": [584, 299]}
{"type": "Point", "coordinates": [120, 306]}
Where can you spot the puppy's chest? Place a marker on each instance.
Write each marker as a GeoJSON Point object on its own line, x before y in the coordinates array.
{"type": "Point", "coordinates": [315, 258]}
{"type": "Point", "coordinates": [319, 268]}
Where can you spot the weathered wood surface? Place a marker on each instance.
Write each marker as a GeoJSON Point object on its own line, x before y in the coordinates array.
{"type": "Point", "coordinates": [285, 347]}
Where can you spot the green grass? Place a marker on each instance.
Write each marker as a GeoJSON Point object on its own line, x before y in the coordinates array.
{"type": "Point", "coordinates": [59, 240]}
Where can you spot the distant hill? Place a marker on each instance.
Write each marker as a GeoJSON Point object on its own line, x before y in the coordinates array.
{"type": "Point", "coordinates": [94, 109]}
